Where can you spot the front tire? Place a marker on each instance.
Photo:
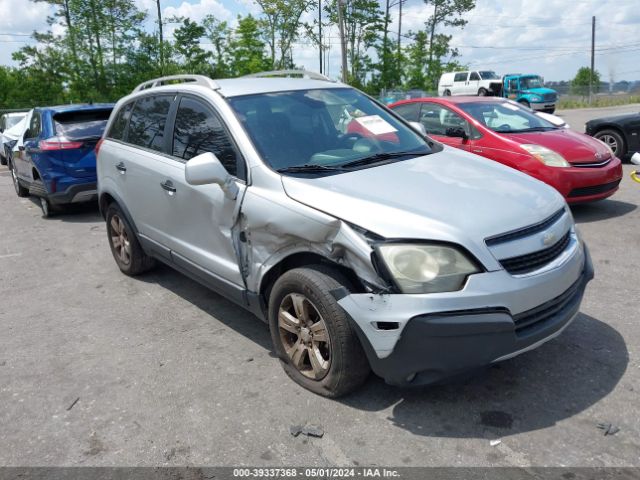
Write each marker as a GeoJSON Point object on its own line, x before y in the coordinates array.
{"type": "Point", "coordinates": [483, 92]}
{"type": "Point", "coordinates": [614, 140]}
{"type": "Point", "coordinates": [312, 335]}
{"type": "Point", "coordinates": [524, 103]}
{"type": "Point", "coordinates": [125, 248]}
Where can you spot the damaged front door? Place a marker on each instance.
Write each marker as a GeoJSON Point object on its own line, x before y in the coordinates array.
{"type": "Point", "coordinates": [200, 217]}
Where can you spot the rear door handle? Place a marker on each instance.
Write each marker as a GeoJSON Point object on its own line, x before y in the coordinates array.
{"type": "Point", "coordinates": [168, 186]}
{"type": "Point", "coordinates": [121, 168]}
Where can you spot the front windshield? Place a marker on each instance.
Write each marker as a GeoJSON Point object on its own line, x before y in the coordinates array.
{"type": "Point", "coordinates": [528, 83]}
{"type": "Point", "coordinates": [506, 117]}
{"type": "Point", "coordinates": [324, 127]}
{"type": "Point", "coordinates": [489, 75]}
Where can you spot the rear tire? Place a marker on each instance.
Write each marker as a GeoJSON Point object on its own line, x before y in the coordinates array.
{"type": "Point", "coordinates": [125, 248]}
{"type": "Point", "coordinates": [20, 190]}
{"type": "Point", "coordinates": [305, 319]}
{"type": "Point", "coordinates": [447, 93]}
{"type": "Point", "coordinates": [614, 140]}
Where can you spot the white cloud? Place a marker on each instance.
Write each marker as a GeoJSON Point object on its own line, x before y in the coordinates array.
{"type": "Point", "coordinates": [19, 22]}
{"type": "Point", "coordinates": [197, 10]}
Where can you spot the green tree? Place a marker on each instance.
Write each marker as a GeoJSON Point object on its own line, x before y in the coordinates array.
{"type": "Point", "coordinates": [187, 45]}
{"type": "Point", "coordinates": [282, 27]}
{"type": "Point", "coordinates": [219, 34]}
{"type": "Point", "coordinates": [247, 49]}
{"type": "Point", "coordinates": [363, 24]}
{"type": "Point", "coordinates": [580, 83]}
{"type": "Point", "coordinates": [446, 13]}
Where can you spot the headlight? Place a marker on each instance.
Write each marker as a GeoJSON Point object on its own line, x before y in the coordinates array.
{"type": "Point", "coordinates": [536, 98]}
{"type": "Point", "coordinates": [426, 268]}
{"type": "Point", "coordinates": [546, 156]}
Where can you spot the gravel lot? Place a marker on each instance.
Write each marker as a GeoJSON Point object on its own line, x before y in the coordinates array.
{"type": "Point", "coordinates": [100, 369]}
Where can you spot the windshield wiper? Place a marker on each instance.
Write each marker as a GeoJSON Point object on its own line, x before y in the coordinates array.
{"type": "Point", "coordinates": [382, 156]}
{"type": "Point", "coordinates": [309, 168]}
{"type": "Point", "coordinates": [526, 130]}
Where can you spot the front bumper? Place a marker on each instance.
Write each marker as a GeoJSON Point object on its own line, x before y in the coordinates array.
{"type": "Point", "coordinates": [585, 184]}
{"type": "Point", "coordinates": [478, 329]}
{"type": "Point", "coordinates": [543, 106]}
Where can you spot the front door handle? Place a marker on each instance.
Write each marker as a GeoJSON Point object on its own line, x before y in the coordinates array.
{"type": "Point", "coordinates": [121, 168]}
{"type": "Point", "coordinates": [168, 186]}
{"type": "Point", "coordinates": [476, 150]}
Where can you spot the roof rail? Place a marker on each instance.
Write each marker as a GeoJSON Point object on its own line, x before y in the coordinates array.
{"type": "Point", "coordinates": [290, 73]}
{"type": "Point", "coordinates": [195, 79]}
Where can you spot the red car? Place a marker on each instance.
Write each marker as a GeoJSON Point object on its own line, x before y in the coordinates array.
{"type": "Point", "coordinates": [580, 167]}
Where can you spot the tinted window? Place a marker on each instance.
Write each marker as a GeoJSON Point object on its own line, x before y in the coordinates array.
{"type": "Point", "coordinates": [474, 76]}
{"type": "Point", "coordinates": [119, 124]}
{"type": "Point", "coordinates": [83, 124]}
{"type": "Point", "coordinates": [198, 130]}
{"type": "Point", "coordinates": [409, 111]}
{"type": "Point", "coordinates": [489, 75]}
{"type": "Point", "coordinates": [148, 119]}
{"type": "Point", "coordinates": [34, 126]}
{"type": "Point", "coordinates": [437, 119]}
{"type": "Point", "coordinates": [460, 77]}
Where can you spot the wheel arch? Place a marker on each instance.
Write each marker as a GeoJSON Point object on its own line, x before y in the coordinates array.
{"type": "Point", "coordinates": [106, 199]}
{"type": "Point", "coordinates": [611, 126]}
{"type": "Point", "coordinates": [307, 260]}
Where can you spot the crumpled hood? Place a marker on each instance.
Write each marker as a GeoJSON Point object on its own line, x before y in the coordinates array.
{"type": "Point", "coordinates": [448, 196]}
{"type": "Point", "coordinates": [574, 147]}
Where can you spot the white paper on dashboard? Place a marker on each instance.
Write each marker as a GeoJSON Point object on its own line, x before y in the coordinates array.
{"type": "Point", "coordinates": [376, 125]}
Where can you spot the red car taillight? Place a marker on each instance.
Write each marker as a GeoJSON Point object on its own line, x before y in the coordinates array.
{"type": "Point", "coordinates": [56, 143]}
{"type": "Point", "coordinates": [98, 145]}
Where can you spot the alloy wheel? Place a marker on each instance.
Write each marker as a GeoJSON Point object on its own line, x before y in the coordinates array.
{"type": "Point", "coordinates": [120, 240]}
{"type": "Point", "coordinates": [611, 141]}
{"type": "Point", "coordinates": [304, 336]}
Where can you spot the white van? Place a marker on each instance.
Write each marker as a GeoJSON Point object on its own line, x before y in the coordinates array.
{"type": "Point", "coordinates": [474, 82]}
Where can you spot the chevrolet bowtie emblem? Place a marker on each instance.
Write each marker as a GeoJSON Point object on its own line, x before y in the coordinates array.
{"type": "Point", "coordinates": [548, 239]}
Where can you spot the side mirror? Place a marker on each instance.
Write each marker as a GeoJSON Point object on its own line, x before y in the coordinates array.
{"type": "Point", "coordinates": [206, 169]}
{"type": "Point", "coordinates": [456, 132]}
{"type": "Point", "coordinates": [418, 127]}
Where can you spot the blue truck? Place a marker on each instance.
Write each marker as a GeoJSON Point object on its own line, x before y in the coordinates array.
{"type": "Point", "coordinates": [529, 90]}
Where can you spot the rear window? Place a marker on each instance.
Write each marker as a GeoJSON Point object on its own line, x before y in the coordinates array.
{"type": "Point", "coordinates": [83, 124]}
{"type": "Point", "coordinates": [120, 122]}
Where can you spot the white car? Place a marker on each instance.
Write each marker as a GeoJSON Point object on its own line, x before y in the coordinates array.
{"type": "Point", "coordinates": [474, 82]}
{"type": "Point", "coordinates": [8, 122]}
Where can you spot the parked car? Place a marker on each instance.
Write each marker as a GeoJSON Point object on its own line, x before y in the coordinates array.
{"type": "Point", "coordinates": [10, 137]}
{"type": "Point", "coordinates": [621, 133]}
{"type": "Point", "coordinates": [54, 159]}
{"type": "Point", "coordinates": [8, 121]}
{"type": "Point", "coordinates": [476, 82]}
{"type": "Point", "coordinates": [394, 253]}
{"type": "Point", "coordinates": [580, 168]}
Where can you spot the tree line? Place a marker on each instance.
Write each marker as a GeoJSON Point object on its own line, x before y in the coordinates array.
{"type": "Point", "coordinates": [99, 50]}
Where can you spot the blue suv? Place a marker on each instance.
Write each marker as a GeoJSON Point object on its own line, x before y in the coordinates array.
{"type": "Point", "coordinates": [56, 161]}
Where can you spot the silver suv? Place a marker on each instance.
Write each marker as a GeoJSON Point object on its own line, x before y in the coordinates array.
{"type": "Point", "coordinates": [363, 244]}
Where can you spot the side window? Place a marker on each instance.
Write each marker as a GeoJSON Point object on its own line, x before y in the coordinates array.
{"type": "Point", "coordinates": [513, 84]}
{"type": "Point", "coordinates": [409, 111]}
{"type": "Point", "coordinates": [437, 119]}
{"type": "Point", "coordinates": [474, 76]}
{"type": "Point", "coordinates": [148, 118]}
{"type": "Point", "coordinates": [460, 77]}
{"type": "Point", "coordinates": [34, 126]}
{"type": "Point", "coordinates": [120, 122]}
{"type": "Point", "coordinates": [198, 130]}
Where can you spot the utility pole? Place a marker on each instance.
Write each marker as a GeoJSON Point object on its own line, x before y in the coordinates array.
{"type": "Point", "coordinates": [593, 57]}
{"type": "Point", "coordinates": [400, 2]}
{"type": "Point", "coordinates": [343, 42]}
{"type": "Point", "coordinates": [320, 32]}
{"type": "Point", "coordinates": [161, 38]}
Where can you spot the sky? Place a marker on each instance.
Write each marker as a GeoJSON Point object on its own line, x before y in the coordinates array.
{"type": "Point", "coordinates": [549, 37]}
